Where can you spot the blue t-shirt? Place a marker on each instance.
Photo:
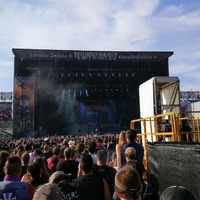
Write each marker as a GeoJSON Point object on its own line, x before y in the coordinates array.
{"type": "Point", "coordinates": [139, 150]}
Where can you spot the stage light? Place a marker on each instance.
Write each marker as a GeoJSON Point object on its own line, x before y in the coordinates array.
{"type": "Point", "coordinates": [120, 75]}
{"type": "Point", "coordinates": [76, 74]}
{"type": "Point", "coordinates": [113, 74]}
{"type": "Point", "coordinates": [69, 74]}
{"type": "Point", "coordinates": [106, 74]}
{"type": "Point", "coordinates": [90, 74]}
{"type": "Point", "coordinates": [126, 74]}
{"type": "Point", "coordinates": [86, 92]}
{"type": "Point", "coordinates": [80, 93]}
{"type": "Point", "coordinates": [69, 92]}
{"type": "Point", "coordinates": [99, 74]}
{"type": "Point", "coordinates": [74, 94]}
{"type": "Point", "coordinates": [82, 74]}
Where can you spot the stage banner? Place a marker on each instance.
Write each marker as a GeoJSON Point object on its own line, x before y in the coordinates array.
{"type": "Point", "coordinates": [23, 106]}
{"type": "Point", "coordinates": [5, 114]}
{"type": "Point", "coordinates": [174, 163]}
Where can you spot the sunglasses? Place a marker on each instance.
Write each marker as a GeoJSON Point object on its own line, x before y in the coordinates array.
{"type": "Point", "coordinates": [131, 192]}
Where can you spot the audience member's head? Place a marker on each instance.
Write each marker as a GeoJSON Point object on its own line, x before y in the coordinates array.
{"type": "Point", "coordinates": [53, 163]}
{"type": "Point", "coordinates": [69, 153]}
{"type": "Point", "coordinates": [71, 144]}
{"type": "Point", "coordinates": [101, 157]}
{"type": "Point", "coordinates": [48, 192]}
{"type": "Point", "coordinates": [128, 183]}
{"type": "Point", "coordinates": [56, 151]}
{"type": "Point", "coordinates": [131, 135]}
{"type": "Point", "coordinates": [177, 193]}
{"type": "Point", "coordinates": [38, 152]}
{"type": "Point", "coordinates": [34, 169]}
{"type": "Point", "coordinates": [25, 158]}
{"type": "Point", "coordinates": [13, 166]}
{"type": "Point", "coordinates": [92, 146]}
{"type": "Point", "coordinates": [130, 153]}
{"type": "Point", "coordinates": [122, 138]}
{"type": "Point", "coordinates": [86, 163]}
{"type": "Point", "coordinates": [80, 147]}
{"type": "Point", "coordinates": [136, 165]}
{"type": "Point", "coordinates": [3, 157]}
{"type": "Point", "coordinates": [27, 147]}
{"type": "Point", "coordinates": [20, 150]}
{"type": "Point", "coordinates": [58, 177]}
{"type": "Point", "coordinates": [46, 148]}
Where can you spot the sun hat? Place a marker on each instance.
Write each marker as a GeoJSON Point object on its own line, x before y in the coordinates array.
{"type": "Point", "coordinates": [48, 192]}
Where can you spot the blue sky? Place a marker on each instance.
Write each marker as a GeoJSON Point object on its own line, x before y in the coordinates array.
{"type": "Point", "coordinates": [117, 25]}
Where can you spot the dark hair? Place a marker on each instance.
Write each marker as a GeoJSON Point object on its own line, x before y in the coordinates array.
{"type": "Point", "coordinates": [34, 169]}
{"type": "Point", "coordinates": [38, 152]}
{"type": "Point", "coordinates": [69, 152]}
{"type": "Point", "coordinates": [92, 146]}
{"type": "Point", "coordinates": [86, 162]}
{"type": "Point", "coordinates": [27, 147]}
{"type": "Point", "coordinates": [13, 166]}
{"type": "Point", "coordinates": [25, 158]}
{"type": "Point", "coordinates": [80, 147]}
{"type": "Point", "coordinates": [56, 151]}
{"type": "Point", "coordinates": [3, 157]}
{"type": "Point", "coordinates": [131, 135]}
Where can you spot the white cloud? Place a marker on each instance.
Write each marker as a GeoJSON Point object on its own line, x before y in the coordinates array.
{"type": "Point", "coordinates": [104, 25]}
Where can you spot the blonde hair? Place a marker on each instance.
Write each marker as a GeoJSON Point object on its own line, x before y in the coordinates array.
{"type": "Point", "coordinates": [130, 153]}
{"type": "Point", "coordinates": [122, 138]}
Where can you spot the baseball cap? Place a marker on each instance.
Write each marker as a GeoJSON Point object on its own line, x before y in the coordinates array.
{"type": "Point", "coordinates": [177, 193]}
{"type": "Point", "coordinates": [48, 192]}
{"type": "Point", "coordinates": [57, 176]}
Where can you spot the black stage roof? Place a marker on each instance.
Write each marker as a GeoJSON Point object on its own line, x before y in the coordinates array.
{"type": "Point", "coordinates": [108, 77]}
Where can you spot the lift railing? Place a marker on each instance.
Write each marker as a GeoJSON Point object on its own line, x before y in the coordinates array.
{"type": "Point", "coordinates": [188, 126]}
{"type": "Point", "coordinates": [184, 126]}
{"type": "Point", "coordinates": [156, 128]}
{"type": "Point", "coordinates": [168, 127]}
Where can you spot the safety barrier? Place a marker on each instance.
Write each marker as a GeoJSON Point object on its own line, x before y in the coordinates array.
{"type": "Point", "coordinates": [168, 127]}
{"type": "Point", "coordinates": [188, 126]}
{"type": "Point", "coordinates": [185, 126]}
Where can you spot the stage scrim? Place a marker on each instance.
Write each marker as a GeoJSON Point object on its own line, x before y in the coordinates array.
{"type": "Point", "coordinates": [70, 92]}
{"type": "Point", "coordinates": [173, 163]}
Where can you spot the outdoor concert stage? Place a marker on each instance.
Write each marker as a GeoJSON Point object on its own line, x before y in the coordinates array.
{"type": "Point", "coordinates": [70, 92]}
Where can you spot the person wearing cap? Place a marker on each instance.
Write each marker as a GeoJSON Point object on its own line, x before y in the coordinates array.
{"type": "Point", "coordinates": [48, 192]}
{"type": "Point", "coordinates": [70, 189]}
{"type": "Point", "coordinates": [128, 184]}
{"type": "Point", "coordinates": [177, 193]}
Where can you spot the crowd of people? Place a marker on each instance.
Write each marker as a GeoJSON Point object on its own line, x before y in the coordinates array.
{"type": "Point", "coordinates": [83, 167]}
